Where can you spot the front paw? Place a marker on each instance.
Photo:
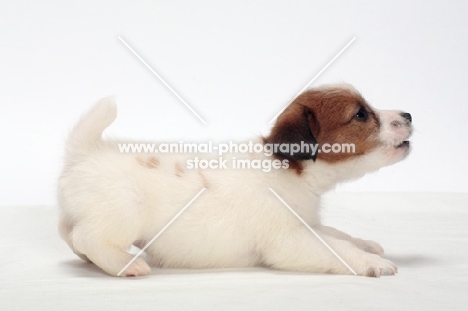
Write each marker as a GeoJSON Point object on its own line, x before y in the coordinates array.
{"type": "Point", "coordinates": [374, 266]}
{"type": "Point", "coordinates": [370, 247]}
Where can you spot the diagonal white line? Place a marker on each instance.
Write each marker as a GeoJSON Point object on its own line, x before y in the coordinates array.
{"type": "Point", "coordinates": [161, 79]}
{"type": "Point", "coordinates": [314, 78]}
{"type": "Point", "coordinates": [313, 231]}
{"type": "Point", "coordinates": [162, 230]}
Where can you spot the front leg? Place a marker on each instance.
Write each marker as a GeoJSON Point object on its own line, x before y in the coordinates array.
{"type": "Point", "coordinates": [299, 250]}
{"type": "Point", "coordinates": [366, 245]}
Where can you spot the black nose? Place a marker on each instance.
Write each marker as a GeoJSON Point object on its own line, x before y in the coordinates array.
{"type": "Point", "coordinates": [407, 116]}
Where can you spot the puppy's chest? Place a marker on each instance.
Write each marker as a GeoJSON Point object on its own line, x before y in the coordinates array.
{"type": "Point", "coordinates": [308, 208]}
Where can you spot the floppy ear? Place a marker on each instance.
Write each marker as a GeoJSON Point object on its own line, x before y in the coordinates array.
{"type": "Point", "coordinates": [294, 128]}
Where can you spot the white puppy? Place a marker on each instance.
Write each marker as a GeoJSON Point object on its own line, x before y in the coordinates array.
{"type": "Point", "coordinates": [111, 200]}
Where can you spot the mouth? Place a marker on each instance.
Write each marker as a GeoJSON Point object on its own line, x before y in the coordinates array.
{"type": "Point", "coordinates": [403, 144]}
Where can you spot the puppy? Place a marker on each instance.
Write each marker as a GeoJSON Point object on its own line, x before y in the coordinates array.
{"type": "Point", "coordinates": [110, 200]}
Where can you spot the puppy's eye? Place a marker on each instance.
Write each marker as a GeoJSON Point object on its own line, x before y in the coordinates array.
{"type": "Point", "coordinates": [361, 114]}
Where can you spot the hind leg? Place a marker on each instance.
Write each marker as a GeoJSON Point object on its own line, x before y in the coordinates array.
{"type": "Point", "coordinates": [108, 251]}
{"type": "Point", "coordinates": [66, 231]}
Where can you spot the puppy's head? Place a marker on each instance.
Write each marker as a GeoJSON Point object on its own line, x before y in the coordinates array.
{"type": "Point", "coordinates": [343, 125]}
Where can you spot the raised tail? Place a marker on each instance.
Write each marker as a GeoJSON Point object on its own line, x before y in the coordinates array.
{"type": "Point", "coordinates": [87, 134]}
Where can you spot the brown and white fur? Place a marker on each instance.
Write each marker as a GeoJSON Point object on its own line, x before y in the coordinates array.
{"type": "Point", "coordinates": [110, 201]}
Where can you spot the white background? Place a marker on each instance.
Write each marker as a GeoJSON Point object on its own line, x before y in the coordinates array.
{"type": "Point", "coordinates": [237, 63]}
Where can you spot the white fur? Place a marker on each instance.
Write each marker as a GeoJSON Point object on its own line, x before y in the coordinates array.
{"type": "Point", "coordinates": [109, 201]}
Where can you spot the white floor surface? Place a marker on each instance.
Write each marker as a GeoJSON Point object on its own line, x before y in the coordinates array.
{"type": "Point", "coordinates": [425, 234]}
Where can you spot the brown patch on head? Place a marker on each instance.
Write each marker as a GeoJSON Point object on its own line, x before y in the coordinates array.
{"type": "Point", "coordinates": [293, 164]}
{"type": "Point", "coordinates": [205, 182]}
{"type": "Point", "coordinates": [148, 162]}
{"type": "Point", "coordinates": [179, 169]}
{"type": "Point", "coordinates": [327, 115]}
